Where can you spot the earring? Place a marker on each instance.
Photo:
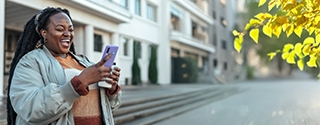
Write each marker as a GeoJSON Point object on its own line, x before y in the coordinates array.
{"type": "Point", "coordinates": [45, 40]}
{"type": "Point", "coordinates": [39, 44]}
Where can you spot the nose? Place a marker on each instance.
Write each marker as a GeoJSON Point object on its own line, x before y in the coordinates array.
{"type": "Point", "coordinates": [66, 33]}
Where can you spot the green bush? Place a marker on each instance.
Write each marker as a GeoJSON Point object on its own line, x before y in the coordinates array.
{"type": "Point", "coordinates": [153, 71]}
{"type": "Point", "coordinates": [193, 69]}
{"type": "Point", "coordinates": [184, 70]}
{"type": "Point", "coordinates": [136, 78]}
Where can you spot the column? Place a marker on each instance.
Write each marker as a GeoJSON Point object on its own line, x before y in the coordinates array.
{"type": "Point", "coordinates": [79, 39]}
{"type": "Point", "coordinates": [143, 8]}
{"type": "Point", "coordinates": [2, 15]}
{"type": "Point", "coordinates": [164, 51]}
{"type": "Point", "coordinates": [187, 24]}
{"type": "Point", "coordinates": [89, 40]}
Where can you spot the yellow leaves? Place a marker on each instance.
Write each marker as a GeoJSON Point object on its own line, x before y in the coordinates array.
{"type": "Point", "coordinates": [308, 41]}
{"type": "Point", "coordinates": [261, 2]}
{"type": "Point", "coordinates": [271, 4]}
{"type": "Point", "coordinates": [312, 62]}
{"type": "Point", "coordinates": [281, 20]}
{"type": "Point", "coordinates": [272, 55]}
{"type": "Point", "coordinates": [238, 43]}
{"type": "Point", "coordinates": [287, 47]}
{"type": "Point", "coordinates": [290, 58]}
{"type": "Point", "coordinates": [277, 31]}
{"type": "Point", "coordinates": [267, 30]}
{"type": "Point", "coordinates": [298, 31]}
{"type": "Point", "coordinates": [300, 64]}
{"type": "Point", "coordinates": [311, 30]}
{"type": "Point", "coordinates": [289, 30]}
{"type": "Point", "coordinates": [263, 16]}
{"type": "Point", "coordinates": [317, 39]}
{"type": "Point", "coordinates": [254, 34]}
{"type": "Point", "coordinates": [298, 48]}
{"type": "Point", "coordinates": [235, 33]}
{"type": "Point", "coordinates": [293, 16]}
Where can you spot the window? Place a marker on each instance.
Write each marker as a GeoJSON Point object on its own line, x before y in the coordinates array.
{"type": "Point", "coordinates": [175, 22]}
{"type": "Point", "coordinates": [151, 12]}
{"type": "Point", "coordinates": [137, 7]}
{"type": "Point", "coordinates": [125, 47]}
{"type": "Point", "coordinates": [175, 19]}
{"type": "Point", "coordinates": [124, 3]}
{"type": "Point", "coordinates": [214, 14]}
{"type": "Point", "coordinates": [215, 39]}
{"type": "Point", "coordinates": [225, 66]}
{"type": "Point", "coordinates": [97, 43]}
{"type": "Point", "coordinates": [215, 63]}
{"type": "Point", "coordinates": [224, 44]}
{"type": "Point", "coordinates": [223, 22]}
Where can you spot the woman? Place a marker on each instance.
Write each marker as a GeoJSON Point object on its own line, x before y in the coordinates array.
{"type": "Point", "coordinates": [49, 84]}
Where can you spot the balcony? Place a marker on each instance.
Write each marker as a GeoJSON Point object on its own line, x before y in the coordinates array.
{"type": "Point", "coordinates": [103, 8]}
{"type": "Point", "coordinates": [188, 40]}
{"type": "Point", "coordinates": [195, 10]}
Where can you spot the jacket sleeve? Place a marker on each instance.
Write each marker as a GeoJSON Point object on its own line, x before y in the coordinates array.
{"type": "Point", "coordinates": [115, 100]}
{"type": "Point", "coordinates": [34, 100]}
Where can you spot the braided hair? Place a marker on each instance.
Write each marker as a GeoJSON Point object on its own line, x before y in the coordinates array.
{"type": "Point", "coordinates": [30, 40]}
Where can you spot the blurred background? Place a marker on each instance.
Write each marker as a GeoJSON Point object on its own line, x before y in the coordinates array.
{"type": "Point", "coordinates": [161, 42]}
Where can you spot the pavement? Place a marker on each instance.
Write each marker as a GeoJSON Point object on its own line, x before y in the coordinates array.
{"type": "Point", "coordinates": [135, 93]}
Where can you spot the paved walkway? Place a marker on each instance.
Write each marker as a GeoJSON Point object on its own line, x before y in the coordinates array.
{"type": "Point", "coordinates": [138, 92]}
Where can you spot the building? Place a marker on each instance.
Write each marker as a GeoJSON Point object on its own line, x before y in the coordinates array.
{"type": "Point", "coordinates": [179, 28]}
{"type": "Point", "coordinates": [189, 36]}
{"type": "Point", "coordinates": [226, 61]}
{"type": "Point", "coordinates": [97, 23]}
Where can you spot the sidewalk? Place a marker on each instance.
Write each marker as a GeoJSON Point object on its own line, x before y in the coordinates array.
{"type": "Point", "coordinates": [138, 93]}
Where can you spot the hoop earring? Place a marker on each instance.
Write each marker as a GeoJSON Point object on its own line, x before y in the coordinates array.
{"type": "Point", "coordinates": [39, 44]}
{"type": "Point", "coordinates": [45, 40]}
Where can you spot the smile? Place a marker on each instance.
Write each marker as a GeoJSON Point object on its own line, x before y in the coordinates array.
{"type": "Point", "coordinates": [65, 42]}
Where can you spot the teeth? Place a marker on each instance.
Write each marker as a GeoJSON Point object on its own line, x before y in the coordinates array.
{"type": "Point", "coordinates": [66, 40]}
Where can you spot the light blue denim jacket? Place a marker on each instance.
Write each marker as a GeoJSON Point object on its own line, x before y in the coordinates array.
{"type": "Point", "coordinates": [40, 94]}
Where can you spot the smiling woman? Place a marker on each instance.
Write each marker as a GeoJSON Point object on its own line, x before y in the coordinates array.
{"type": "Point", "coordinates": [50, 84]}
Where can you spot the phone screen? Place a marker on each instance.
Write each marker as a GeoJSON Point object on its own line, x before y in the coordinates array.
{"type": "Point", "coordinates": [110, 49]}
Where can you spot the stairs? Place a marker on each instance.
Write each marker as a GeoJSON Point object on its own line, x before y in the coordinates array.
{"type": "Point", "coordinates": [152, 110]}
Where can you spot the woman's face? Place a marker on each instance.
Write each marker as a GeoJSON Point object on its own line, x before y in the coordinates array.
{"type": "Point", "coordinates": [59, 34]}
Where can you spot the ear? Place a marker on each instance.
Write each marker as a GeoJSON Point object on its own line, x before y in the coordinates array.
{"type": "Point", "coordinates": [43, 33]}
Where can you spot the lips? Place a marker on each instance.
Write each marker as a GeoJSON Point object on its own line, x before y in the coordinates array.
{"type": "Point", "coordinates": [65, 42]}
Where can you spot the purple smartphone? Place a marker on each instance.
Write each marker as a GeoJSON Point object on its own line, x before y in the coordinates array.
{"type": "Point", "coordinates": [110, 49]}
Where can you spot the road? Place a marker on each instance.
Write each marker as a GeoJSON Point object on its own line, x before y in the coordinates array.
{"type": "Point", "coordinates": [268, 102]}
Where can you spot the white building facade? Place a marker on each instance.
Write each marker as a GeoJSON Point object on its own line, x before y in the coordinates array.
{"type": "Point", "coordinates": [179, 28]}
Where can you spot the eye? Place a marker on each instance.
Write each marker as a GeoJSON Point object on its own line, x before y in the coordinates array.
{"type": "Point", "coordinates": [59, 28]}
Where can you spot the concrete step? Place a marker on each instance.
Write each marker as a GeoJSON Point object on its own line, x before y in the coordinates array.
{"type": "Point", "coordinates": [208, 98]}
{"type": "Point", "coordinates": [145, 112]}
{"type": "Point", "coordinates": [146, 104]}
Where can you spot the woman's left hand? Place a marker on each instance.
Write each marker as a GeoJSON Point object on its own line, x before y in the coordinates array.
{"type": "Point", "coordinates": [114, 79]}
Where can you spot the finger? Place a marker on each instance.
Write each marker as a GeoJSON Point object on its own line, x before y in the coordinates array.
{"type": "Point", "coordinates": [117, 69]}
{"type": "Point", "coordinates": [104, 59]}
{"type": "Point", "coordinates": [114, 77]}
{"type": "Point", "coordinates": [116, 73]}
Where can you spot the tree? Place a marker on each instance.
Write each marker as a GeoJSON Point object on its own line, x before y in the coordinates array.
{"type": "Point", "coordinates": [292, 16]}
{"type": "Point", "coordinates": [136, 77]}
{"type": "Point", "coordinates": [266, 44]}
{"type": "Point", "coordinates": [153, 71]}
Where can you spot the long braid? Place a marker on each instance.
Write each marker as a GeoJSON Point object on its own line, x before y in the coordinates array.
{"type": "Point", "coordinates": [27, 42]}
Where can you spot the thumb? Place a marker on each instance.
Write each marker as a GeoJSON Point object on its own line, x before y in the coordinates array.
{"type": "Point", "coordinates": [104, 59]}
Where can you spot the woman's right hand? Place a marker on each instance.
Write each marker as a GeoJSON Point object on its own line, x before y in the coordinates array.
{"type": "Point", "coordinates": [95, 73]}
